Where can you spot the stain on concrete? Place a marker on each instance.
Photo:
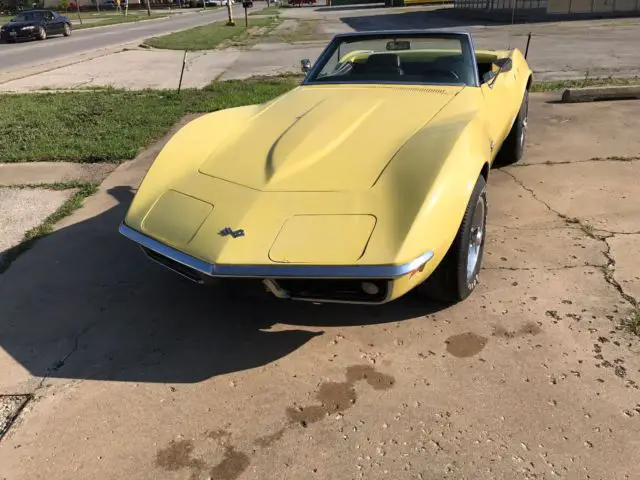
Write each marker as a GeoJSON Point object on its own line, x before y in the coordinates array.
{"type": "Point", "coordinates": [268, 440]}
{"type": "Point", "coordinates": [178, 456]}
{"type": "Point", "coordinates": [336, 397]}
{"type": "Point", "coordinates": [218, 435]}
{"type": "Point", "coordinates": [377, 380]}
{"type": "Point", "coordinates": [333, 397]}
{"type": "Point", "coordinates": [231, 466]}
{"type": "Point", "coordinates": [465, 344]}
{"type": "Point", "coordinates": [529, 328]}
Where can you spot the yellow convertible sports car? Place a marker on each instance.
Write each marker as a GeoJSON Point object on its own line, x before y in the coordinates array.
{"type": "Point", "coordinates": [366, 181]}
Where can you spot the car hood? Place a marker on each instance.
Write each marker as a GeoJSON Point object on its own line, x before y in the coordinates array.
{"type": "Point", "coordinates": [323, 138]}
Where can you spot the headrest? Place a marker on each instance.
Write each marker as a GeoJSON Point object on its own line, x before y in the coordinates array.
{"type": "Point", "coordinates": [383, 63]}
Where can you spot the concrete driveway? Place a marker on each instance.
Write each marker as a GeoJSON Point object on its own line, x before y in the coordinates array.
{"type": "Point", "coordinates": [130, 372]}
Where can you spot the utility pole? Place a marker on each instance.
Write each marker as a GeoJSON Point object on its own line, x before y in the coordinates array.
{"type": "Point", "coordinates": [230, 22]}
{"type": "Point", "coordinates": [149, 7]}
{"type": "Point", "coordinates": [78, 11]}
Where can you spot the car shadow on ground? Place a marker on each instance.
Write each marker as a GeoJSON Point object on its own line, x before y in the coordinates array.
{"type": "Point", "coordinates": [85, 303]}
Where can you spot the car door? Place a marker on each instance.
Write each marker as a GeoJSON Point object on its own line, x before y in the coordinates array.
{"type": "Point", "coordinates": [499, 100]}
{"type": "Point", "coordinates": [53, 24]}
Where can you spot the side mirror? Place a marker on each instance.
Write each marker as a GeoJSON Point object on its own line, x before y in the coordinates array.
{"type": "Point", "coordinates": [305, 65]}
{"type": "Point", "coordinates": [488, 76]}
{"type": "Point", "coordinates": [504, 64]}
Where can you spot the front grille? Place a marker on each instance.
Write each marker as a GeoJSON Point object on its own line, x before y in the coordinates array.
{"type": "Point", "coordinates": [336, 290]}
{"type": "Point", "coordinates": [174, 266]}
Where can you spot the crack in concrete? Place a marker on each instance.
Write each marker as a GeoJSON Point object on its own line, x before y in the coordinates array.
{"type": "Point", "coordinates": [531, 229]}
{"type": "Point", "coordinates": [612, 233]}
{"type": "Point", "coordinates": [60, 363]}
{"type": "Point", "coordinates": [615, 158]}
{"type": "Point", "coordinates": [550, 269]}
{"type": "Point", "coordinates": [607, 270]}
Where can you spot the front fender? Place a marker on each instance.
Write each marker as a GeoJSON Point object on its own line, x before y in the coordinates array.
{"type": "Point", "coordinates": [183, 154]}
{"type": "Point", "coordinates": [430, 181]}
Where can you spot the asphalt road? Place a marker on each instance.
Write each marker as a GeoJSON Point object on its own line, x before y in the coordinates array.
{"type": "Point", "coordinates": [28, 54]}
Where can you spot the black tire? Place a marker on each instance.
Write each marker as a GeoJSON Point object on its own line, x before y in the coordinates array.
{"type": "Point", "coordinates": [512, 148]}
{"type": "Point", "coordinates": [453, 280]}
{"type": "Point", "coordinates": [42, 34]}
{"type": "Point", "coordinates": [67, 30]}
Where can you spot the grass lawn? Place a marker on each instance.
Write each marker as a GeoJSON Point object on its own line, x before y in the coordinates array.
{"type": "Point", "coordinates": [112, 125]}
{"type": "Point", "coordinates": [208, 37]}
{"type": "Point", "coordinates": [267, 11]}
{"type": "Point", "coordinates": [549, 86]}
{"type": "Point", "coordinates": [112, 19]}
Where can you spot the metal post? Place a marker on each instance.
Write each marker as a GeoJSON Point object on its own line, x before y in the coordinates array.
{"type": "Point", "coordinates": [149, 8]}
{"type": "Point", "coordinates": [526, 51]}
{"type": "Point", "coordinates": [246, 18]}
{"type": "Point", "coordinates": [78, 11]}
{"type": "Point", "coordinates": [184, 62]}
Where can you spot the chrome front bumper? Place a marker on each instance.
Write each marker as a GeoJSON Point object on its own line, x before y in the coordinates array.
{"type": "Point", "coordinates": [275, 276]}
{"type": "Point", "coordinates": [275, 271]}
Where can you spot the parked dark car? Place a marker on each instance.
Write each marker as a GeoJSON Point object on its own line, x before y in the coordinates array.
{"type": "Point", "coordinates": [35, 24]}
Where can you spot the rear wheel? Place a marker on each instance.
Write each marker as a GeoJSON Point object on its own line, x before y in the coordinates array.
{"type": "Point", "coordinates": [457, 275]}
{"type": "Point", "coordinates": [513, 147]}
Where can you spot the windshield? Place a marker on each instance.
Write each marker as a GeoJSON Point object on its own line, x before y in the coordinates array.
{"type": "Point", "coordinates": [28, 16]}
{"type": "Point", "coordinates": [445, 60]}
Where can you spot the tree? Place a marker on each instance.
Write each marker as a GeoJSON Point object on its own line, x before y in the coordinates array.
{"type": "Point", "coordinates": [15, 5]}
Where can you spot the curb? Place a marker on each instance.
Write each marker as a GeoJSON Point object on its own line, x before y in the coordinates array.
{"type": "Point", "coordinates": [592, 94]}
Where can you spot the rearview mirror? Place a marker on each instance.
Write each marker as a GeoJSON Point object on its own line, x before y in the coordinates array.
{"type": "Point", "coordinates": [305, 64]}
{"type": "Point", "coordinates": [399, 45]}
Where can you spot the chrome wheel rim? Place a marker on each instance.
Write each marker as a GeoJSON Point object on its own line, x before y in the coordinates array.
{"type": "Point", "coordinates": [476, 238]}
{"type": "Point", "coordinates": [66, 29]}
{"type": "Point", "coordinates": [525, 121]}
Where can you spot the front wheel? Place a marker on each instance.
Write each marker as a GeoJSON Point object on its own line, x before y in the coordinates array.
{"type": "Point", "coordinates": [457, 275]}
{"type": "Point", "coordinates": [513, 146]}
{"type": "Point", "coordinates": [42, 33]}
{"type": "Point", "coordinates": [67, 30]}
